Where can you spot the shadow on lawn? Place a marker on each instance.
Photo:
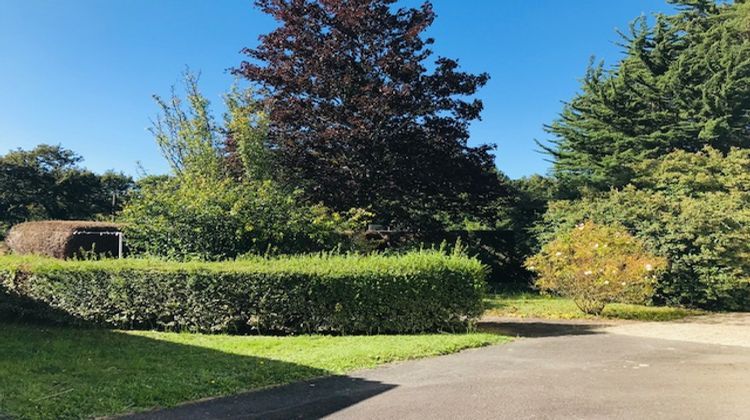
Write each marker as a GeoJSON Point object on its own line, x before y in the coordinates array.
{"type": "Point", "coordinates": [538, 328]}
{"type": "Point", "coordinates": [48, 372]}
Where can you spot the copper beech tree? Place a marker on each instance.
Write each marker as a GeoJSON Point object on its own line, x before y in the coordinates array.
{"type": "Point", "coordinates": [358, 120]}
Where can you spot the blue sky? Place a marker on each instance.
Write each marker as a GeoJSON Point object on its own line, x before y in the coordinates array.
{"type": "Point", "coordinates": [81, 72]}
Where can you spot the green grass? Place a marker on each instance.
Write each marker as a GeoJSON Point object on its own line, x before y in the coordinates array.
{"type": "Point", "coordinates": [72, 373]}
{"type": "Point", "coordinates": [531, 305]}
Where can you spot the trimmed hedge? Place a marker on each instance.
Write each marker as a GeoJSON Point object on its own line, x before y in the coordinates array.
{"type": "Point", "coordinates": [502, 251]}
{"type": "Point", "coordinates": [414, 292]}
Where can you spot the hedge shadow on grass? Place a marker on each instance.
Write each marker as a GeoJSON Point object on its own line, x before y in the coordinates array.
{"type": "Point", "coordinates": [50, 372]}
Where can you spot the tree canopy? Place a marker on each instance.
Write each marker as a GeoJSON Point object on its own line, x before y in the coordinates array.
{"type": "Point", "coordinates": [683, 84]}
{"type": "Point", "coordinates": [221, 200]}
{"type": "Point", "coordinates": [47, 183]}
{"type": "Point", "coordinates": [659, 144]}
{"type": "Point", "coordinates": [358, 120]}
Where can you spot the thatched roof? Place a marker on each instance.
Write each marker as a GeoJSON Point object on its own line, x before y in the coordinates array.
{"type": "Point", "coordinates": [60, 238]}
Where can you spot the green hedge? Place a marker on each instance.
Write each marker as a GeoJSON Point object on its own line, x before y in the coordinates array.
{"type": "Point", "coordinates": [415, 292]}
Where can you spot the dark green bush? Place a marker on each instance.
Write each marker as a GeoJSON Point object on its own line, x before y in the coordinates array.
{"type": "Point", "coordinates": [415, 292]}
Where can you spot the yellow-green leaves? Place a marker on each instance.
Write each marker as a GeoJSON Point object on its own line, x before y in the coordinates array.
{"type": "Point", "coordinates": [595, 265]}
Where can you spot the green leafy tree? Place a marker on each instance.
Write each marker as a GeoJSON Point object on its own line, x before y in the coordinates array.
{"type": "Point", "coordinates": [213, 206]}
{"type": "Point", "coordinates": [527, 204]}
{"type": "Point", "coordinates": [188, 136]}
{"type": "Point", "coordinates": [195, 217]}
{"type": "Point", "coordinates": [246, 130]}
{"type": "Point", "coordinates": [48, 183]}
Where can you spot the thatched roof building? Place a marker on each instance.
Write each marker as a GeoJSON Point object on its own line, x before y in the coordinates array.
{"type": "Point", "coordinates": [65, 238]}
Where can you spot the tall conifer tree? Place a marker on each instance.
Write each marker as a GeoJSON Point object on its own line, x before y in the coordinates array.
{"type": "Point", "coordinates": [683, 84]}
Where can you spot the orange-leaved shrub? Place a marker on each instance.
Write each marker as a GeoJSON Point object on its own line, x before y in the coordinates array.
{"type": "Point", "coordinates": [595, 265]}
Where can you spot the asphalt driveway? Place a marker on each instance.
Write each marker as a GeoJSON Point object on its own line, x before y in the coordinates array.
{"type": "Point", "coordinates": [556, 370]}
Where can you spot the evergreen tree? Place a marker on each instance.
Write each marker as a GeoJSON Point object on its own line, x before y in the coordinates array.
{"type": "Point", "coordinates": [683, 84]}
{"type": "Point", "coordinates": [357, 119]}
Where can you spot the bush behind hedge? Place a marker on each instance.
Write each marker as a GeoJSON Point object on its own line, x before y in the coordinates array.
{"type": "Point", "coordinates": [691, 208]}
{"type": "Point", "coordinates": [414, 292]}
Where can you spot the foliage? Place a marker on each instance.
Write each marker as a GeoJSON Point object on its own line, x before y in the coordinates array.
{"type": "Point", "coordinates": [524, 208]}
{"type": "Point", "coordinates": [188, 137]}
{"type": "Point", "coordinates": [504, 242]}
{"type": "Point", "coordinates": [535, 305]}
{"type": "Point", "coordinates": [659, 145]}
{"type": "Point", "coordinates": [414, 292]}
{"type": "Point", "coordinates": [595, 265]}
{"type": "Point", "coordinates": [499, 250]}
{"type": "Point", "coordinates": [214, 207]}
{"type": "Point", "coordinates": [52, 373]}
{"type": "Point", "coordinates": [692, 208]}
{"type": "Point", "coordinates": [530, 196]}
{"type": "Point", "coordinates": [683, 84]}
{"type": "Point", "coordinates": [496, 249]}
{"type": "Point", "coordinates": [195, 144]}
{"type": "Point", "coordinates": [192, 217]}
{"type": "Point", "coordinates": [47, 183]}
{"type": "Point", "coordinates": [357, 119]}
{"type": "Point", "coordinates": [695, 174]}
{"type": "Point", "coordinates": [246, 130]}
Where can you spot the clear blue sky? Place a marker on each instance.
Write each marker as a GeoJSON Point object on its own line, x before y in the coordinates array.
{"type": "Point", "coordinates": [81, 72]}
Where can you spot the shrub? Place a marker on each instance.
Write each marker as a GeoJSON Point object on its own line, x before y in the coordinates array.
{"type": "Point", "coordinates": [414, 292]}
{"type": "Point", "coordinates": [691, 208]}
{"type": "Point", "coordinates": [223, 198]}
{"type": "Point", "coordinates": [196, 217]}
{"type": "Point", "coordinates": [596, 265]}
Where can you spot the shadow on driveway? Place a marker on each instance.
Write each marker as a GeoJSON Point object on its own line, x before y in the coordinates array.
{"type": "Point", "coordinates": [529, 327]}
{"type": "Point", "coordinates": [302, 400]}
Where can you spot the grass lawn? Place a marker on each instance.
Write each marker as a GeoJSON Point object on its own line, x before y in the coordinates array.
{"type": "Point", "coordinates": [531, 305]}
{"type": "Point", "coordinates": [51, 372]}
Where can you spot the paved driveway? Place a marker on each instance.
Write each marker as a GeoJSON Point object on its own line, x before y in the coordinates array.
{"type": "Point", "coordinates": [731, 329]}
{"type": "Point", "coordinates": [558, 370]}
